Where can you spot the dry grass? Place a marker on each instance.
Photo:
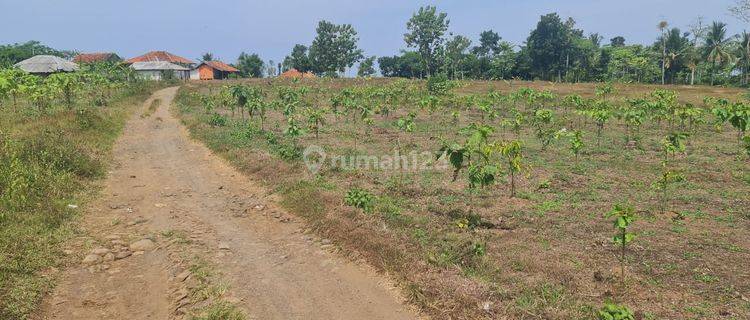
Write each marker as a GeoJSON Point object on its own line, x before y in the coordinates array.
{"type": "Point", "coordinates": [548, 253]}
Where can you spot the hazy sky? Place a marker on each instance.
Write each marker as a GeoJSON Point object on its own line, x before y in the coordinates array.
{"type": "Point", "coordinates": [271, 28]}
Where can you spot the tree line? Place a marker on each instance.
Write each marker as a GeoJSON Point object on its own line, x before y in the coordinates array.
{"type": "Point", "coordinates": [555, 50]}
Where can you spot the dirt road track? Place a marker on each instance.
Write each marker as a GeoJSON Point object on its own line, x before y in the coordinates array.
{"type": "Point", "coordinates": [165, 183]}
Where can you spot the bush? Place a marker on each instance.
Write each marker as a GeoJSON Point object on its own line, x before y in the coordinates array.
{"type": "Point", "coordinates": [612, 311]}
{"type": "Point", "coordinates": [439, 84]}
{"type": "Point", "coordinates": [360, 198]}
{"type": "Point", "coordinates": [217, 120]}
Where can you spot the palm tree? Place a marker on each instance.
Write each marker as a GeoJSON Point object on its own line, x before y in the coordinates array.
{"type": "Point", "coordinates": [743, 56]}
{"type": "Point", "coordinates": [663, 26]}
{"type": "Point", "coordinates": [208, 56]}
{"type": "Point", "coordinates": [716, 47]}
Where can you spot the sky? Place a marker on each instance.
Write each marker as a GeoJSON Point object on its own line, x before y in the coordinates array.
{"type": "Point", "coordinates": [271, 28]}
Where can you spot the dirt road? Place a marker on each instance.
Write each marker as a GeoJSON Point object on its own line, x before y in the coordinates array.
{"type": "Point", "coordinates": [170, 191]}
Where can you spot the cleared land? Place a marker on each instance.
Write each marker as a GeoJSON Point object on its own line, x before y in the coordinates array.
{"type": "Point", "coordinates": [546, 253]}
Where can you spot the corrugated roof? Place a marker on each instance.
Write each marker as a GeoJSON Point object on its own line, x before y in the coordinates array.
{"type": "Point", "coordinates": [157, 65]}
{"type": "Point", "coordinates": [221, 66]}
{"type": "Point", "coordinates": [46, 64]}
{"type": "Point", "coordinates": [159, 56]}
{"type": "Point", "coordinates": [94, 57]}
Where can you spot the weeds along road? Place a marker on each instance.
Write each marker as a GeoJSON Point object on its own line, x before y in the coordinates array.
{"type": "Point", "coordinates": [176, 232]}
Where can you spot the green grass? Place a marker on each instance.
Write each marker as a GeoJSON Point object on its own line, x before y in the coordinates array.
{"type": "Point", "coordinates": [49, 161]}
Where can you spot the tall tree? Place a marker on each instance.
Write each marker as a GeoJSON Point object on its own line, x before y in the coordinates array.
{"type": "Point", "coordinates": [547, 46]}
{"type": "Point", "coordinates": [208, 56]}
{"type": "Point", "coordinates": [676, 45]}
{"type": "Point", "coordinates": [250, 65]}
{"type": "Point", "coordinates": [716, 47]}
{"type": "Point", "coordinates": [366, 67]}
{"type": "Point", "coordinates": [662, 28]}
{"type": "Point", "coordinates": [741, 10]}
{"type": "Point", "coordinates": [455, 52]}
{"type": "Point", "coordinates": [298, 59]}
{"type": "Point", "coordinates": [617, 41]}
{"type": "Point", "coordinates": [334, 48]}
{"type": "Point", "coordinates": [743, 56]}
{"type": "Point", "coordinates": [426, 29]}
{"type": "Point", "coordinates": [489, 44]}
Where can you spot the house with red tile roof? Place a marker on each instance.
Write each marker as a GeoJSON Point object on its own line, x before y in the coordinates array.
{"type": "Point", "coordinates": [162, 56]}
{"type": "Point", "coordinates": [212, 70]}
{"type": "Point", "coordinates": [96, 57]}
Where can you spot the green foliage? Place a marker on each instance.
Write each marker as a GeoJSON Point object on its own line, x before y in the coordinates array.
{"type": "Point", "coordinates": [250, 65]}
{"type": "Point", "coordinates": [623, 216]}
{"type": "Point", "coordinates": [360, 198]}
{"type": "Point", "coordinates": [426, 29]}
{"type": "Point", "coordinates": [366, 67]}
{"type": "Point", "coordinates": [217, 120]}
{"type": "Point", "coordinates": [612, 311]}
{"type": "Point", "coordinates": [544, 126]}
{"type": "Point", "coordinates": [439, 84]}
{"type": "Point", "coordinates": [334, 48]}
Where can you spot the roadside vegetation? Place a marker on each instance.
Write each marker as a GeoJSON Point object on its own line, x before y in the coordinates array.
{"type": "Point", "coordinates": [513, 214]}
{"type": "Point", "coordinates": [55, 135]}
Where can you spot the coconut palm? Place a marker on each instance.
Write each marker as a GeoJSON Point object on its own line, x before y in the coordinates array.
{"type": "Point", "coordinates": [743, 56]}
{"type": "Point", "coordinates": [717, 44]}
{"type": "Point", "coordinates": [663, 26]}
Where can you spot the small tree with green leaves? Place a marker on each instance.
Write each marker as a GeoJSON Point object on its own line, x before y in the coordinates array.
{"type": "Point", "coordinates": [544, 126]}
{"type": "Point", "coordinates": [671, 145]}
{"type": "Point", "coordinates": [512, 153]}
{"type": "Point", "coordinates": [575, 139]}
{"type": "Point", "coordinates": [315, 119]}
{"type": "Point", "coordinates": [624, 216]}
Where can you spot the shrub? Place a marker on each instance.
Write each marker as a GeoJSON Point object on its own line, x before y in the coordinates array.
{"type": "Point", "coordinates": [612, 311]}
{"type": "Point", "coordinates": [360, 198]}
{"type": "Point", "coordinates": [217, 120]}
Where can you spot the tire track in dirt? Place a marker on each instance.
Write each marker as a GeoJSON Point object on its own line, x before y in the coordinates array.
{"type": "Point", "coordinates": [165, 182]}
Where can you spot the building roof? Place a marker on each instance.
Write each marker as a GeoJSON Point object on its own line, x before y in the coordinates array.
{"type": "Point", "coordinates": [95, 57]}
{"type": "Point", "coordinates": [157, 66]}
{"type": "Point", "coordinates": [294, 73]}
{"type": "Point", "coordinates": [221, 66]}
{"type": "Point", "coordinates": [46, 64]}
{"type": "Point", "coordinates": [159, 56]}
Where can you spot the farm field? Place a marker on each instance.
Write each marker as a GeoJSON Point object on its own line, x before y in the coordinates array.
{"type": "Point", "coordinates": [52, 153]}
{"type": "Point", "coordinates": [478, 242]}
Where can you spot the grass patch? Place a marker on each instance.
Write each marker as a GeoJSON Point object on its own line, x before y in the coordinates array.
{"type": "Point", "coordinates": [49, 161]}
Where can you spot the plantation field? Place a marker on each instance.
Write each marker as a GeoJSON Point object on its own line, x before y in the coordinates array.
{"type": "Point", "coordinates": [478, 242]}
{"type": "Point", "coordinates": [51, 155]}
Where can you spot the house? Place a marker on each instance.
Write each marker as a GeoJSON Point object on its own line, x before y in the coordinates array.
{"type": "Point", "coordinates": [210, 70]}
{"type": "Point", "coordinates": [163, 56]}
{"type": "Point", "coordinates": [96, 57]}
{"type": "Point", "coordinates": [293, 73]}
{"type": "Point", "coordinates": [160, 70]}
{"type": "Point", "coordinates": [45, 65]}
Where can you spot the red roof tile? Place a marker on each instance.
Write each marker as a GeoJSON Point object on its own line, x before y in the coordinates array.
{"type": "Point", "coordinates": [160, 56]}
{"type": "Point", "coordinates": [94, 57]}
{"type": "Point", "coordinates": [221, 66]}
